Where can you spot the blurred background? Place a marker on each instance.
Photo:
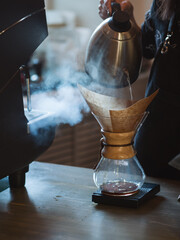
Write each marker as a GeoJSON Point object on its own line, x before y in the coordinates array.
{"type": "Point", "coordinates": [55, 68]}
{"type": "Point", "coordinates": [86, 12]}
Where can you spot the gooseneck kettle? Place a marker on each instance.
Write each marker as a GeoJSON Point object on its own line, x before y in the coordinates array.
{"type": "Point", "coordinates": [114, 52]}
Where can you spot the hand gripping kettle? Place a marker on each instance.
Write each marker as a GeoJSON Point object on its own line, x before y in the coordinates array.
{"type": "Point", "coordinates": [114, 53]}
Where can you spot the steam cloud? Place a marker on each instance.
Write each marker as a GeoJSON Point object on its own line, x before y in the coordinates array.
{"type": "Point", "coordinates": [66, 102]}
{"type": "Point", "coordinates": [63, 70]}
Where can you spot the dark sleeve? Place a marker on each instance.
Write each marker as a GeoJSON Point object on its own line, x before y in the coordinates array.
{"type": "Point", "coordinates": [148, 35]}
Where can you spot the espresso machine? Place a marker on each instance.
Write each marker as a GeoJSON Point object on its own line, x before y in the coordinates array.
{"type": "Point", "coordinates": [23, 27]}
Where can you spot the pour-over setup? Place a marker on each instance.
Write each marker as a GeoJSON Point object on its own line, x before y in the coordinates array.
{"type": "Point", "coordinates": [113, 63]}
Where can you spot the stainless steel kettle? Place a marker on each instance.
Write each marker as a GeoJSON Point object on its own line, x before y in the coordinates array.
{"type": "Point", "coordinates": [114, 52]}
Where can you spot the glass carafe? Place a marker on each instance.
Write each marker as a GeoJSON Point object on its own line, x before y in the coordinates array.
{"type": "Point", "coordinates": [119, 172]}
{"type": "Point", "coordinates": [119, 177]}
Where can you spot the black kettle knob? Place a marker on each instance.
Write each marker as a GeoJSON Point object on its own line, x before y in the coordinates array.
{"type": "Point", "coordinates": [115, 7]}
{"type": "Point", "coordinates": [120, 20]}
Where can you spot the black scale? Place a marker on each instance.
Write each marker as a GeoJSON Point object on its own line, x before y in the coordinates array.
{"type": "Point", "coordinates": [147, 192]}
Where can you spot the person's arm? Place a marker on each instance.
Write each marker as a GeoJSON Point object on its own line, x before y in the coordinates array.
{"type": "Point", "coordinates": [148, 36]}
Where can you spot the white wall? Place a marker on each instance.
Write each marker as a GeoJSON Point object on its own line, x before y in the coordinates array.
{"type": "Point", "coordinates": [87, 10]}
{"type": "Point", "coordinates": [140, 8]}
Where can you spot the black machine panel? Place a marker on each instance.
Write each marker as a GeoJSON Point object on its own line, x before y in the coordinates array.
{"type": "Point", "coordinates": [23, 28]}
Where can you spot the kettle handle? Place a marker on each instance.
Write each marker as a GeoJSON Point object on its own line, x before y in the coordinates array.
{"type": "Point", "coordinates": [115, 7]}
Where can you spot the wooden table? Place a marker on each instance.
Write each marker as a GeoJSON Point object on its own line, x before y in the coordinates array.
{"type": "Point", "coordinates": [56, 204]}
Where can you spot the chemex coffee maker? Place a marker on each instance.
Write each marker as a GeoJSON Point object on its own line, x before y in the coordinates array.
{"type": "Point", "coordinates": [22, 29]}
{"type": "Point", "coordinates": [113, 62]}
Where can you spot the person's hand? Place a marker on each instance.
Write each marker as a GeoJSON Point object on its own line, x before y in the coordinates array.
{"type": "Point", "coordinates": [105, 9]}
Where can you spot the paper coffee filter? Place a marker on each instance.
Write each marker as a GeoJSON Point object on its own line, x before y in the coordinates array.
{"type": "Point", "coordinates": [115, 114]}
{"type": "Point", "coordinates": [98, 111]}
{"type": "Point", "coordinates": [126, 124]}
{"type": "Point", "coordinates": [107, 102]}
{"type": "Point", "coordinates": [137, 108]}
{"type": "Point", "coordinates": [129, 119]}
